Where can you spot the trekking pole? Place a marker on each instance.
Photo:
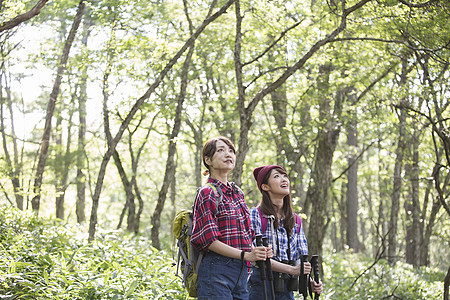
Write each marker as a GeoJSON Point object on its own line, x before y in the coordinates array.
{"type": "Point", "coordinates": [303, 278]}
{"type": "Point", "coordinates": [269, 269]}
{"type": "Point", "coordinates": [315, 267]}
{"type": "Point", "coordinates": [260, 263]}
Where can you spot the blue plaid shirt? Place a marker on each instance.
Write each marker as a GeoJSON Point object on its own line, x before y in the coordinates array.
{"type": "Point", "coordinates": [298, 243]}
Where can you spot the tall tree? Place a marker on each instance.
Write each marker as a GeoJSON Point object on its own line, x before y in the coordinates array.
{"type": "Point", "coordinates": [397, 176]}
{"type": "Point", "coordinates": [134, 170]}
{"type": "Point", "coordinates": [327, 138]}
{"type": "Point", "coordinates": [35, 203]}
{"type": "Point", "coordinates": [169, 173]}
{"type": "Point", "coordinates": [246, 111]}
{"type": "Point", "coordinates": [129, 205]}
{"type": "Point", "coordinates": [81, 154]}
{"type": "Point", "coordinates": [411, 204]}
{"type": "Point", "coordinates": [62, 160]}
{"type": "Point", "coordinates": [134, 109]}
{"type": "Point", "coordinates": [6, 102]}
{"type": "Point", "coordinates": [352, 203]}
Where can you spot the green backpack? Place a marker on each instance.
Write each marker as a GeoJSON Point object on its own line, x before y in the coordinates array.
{"type": "Point", "coordinates": [189, 258]}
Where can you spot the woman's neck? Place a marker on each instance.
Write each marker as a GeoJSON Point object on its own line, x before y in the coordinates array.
{"type": "Point", "coordinates": [278, 205]}
{"type": "Point", "coordinates": [221, 176]}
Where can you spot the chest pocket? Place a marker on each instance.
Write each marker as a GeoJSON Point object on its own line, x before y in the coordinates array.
{"type": "Point", "coordinates": [231, 215]}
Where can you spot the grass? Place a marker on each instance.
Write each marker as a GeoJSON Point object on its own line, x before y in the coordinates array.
{"type": "Point", "coordinates": [47, 259]}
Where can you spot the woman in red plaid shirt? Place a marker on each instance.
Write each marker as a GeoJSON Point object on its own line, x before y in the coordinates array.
{"type": "Point", "coordinates": [222, 228]}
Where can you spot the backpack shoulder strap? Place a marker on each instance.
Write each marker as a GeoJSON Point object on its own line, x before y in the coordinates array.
{"type": "Point", "coordinates": [263, 220]}
{"type": "Point", "coordinates": [298, 220]}
{"type": "Point", "coordinates": [218, 194]}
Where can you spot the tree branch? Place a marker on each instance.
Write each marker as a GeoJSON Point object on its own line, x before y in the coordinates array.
{"type": "Point", "coordinates": [420, 5]}
{"type": "Point", "coordinates": [350, 165]}
{"type": "Point", "coordinates": [23, 17]}
{"type": "Point", "coordinates": [301, 62]}
{"type": "Point", "coordinates": [273, 44]}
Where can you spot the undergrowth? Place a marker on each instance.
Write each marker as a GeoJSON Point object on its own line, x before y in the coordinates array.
{"type": "Point", "coordinates": [47, 259]}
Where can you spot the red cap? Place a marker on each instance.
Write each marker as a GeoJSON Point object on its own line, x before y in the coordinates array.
{"type": "Point", "coordinates": [261, 172]}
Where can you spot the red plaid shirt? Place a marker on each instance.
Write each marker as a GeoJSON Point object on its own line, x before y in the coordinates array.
{"type": "Point", "coordinates": [230, 225]}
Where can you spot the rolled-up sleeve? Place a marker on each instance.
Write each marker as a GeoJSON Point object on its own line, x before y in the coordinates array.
{"type": "Point", "coordinates": [256, 221]}
{"type": "Point", "coordinates": [205, 229]}
{"type": "Point", "coordinates": [302, 243]}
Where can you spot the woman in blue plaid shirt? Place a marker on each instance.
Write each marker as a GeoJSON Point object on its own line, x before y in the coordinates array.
{"type": "Point", "coordinates": [274, 218]}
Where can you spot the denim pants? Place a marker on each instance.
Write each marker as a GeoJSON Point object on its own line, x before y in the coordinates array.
{"type": "Point", "coordinates": [256, 288]}
{"type": "Point", "coordinates": [222, 278]}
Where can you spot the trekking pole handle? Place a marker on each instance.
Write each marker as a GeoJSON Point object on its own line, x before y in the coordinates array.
{"type": "Point", "coordinates": [261, 263]}
{"type": "Point", "coordinates": [315, 267]}
{"type": "Point", "coordinates": [303, 278]}
{"type": "Point", "coordinates": [259, 242]}
{"type": "Point", "coordinates": [269, 269]}
{"type": "Point", "coordinates": [265, 242]}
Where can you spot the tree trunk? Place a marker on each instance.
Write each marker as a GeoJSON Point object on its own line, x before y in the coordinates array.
{"type": "Point", "coordinates": [128, 188]}
{"type": "Point", "coordinates": [435, 207]}
{"type": "Point", "coordinates": [35, 202]}
{"type": "Point", "coordinates": [173, 195]}
{"type": "Point", "coordinates": [383, 196]}
{"type": "Point", "coordinates": [327, 139]}
{"type": "Point", "coordinates": [397, 183]}
{"type": "Point", "coordinates": [13, 166]}
{"type": "Point", "coordinates": [170, 164]}
{"type": "Point", "coordinates": [352, 181]}
{"type": "Point", "coordinates": [62, 163]}
{"type": "Point", "coordinates": [81, 161]}
{"type": "Point", "coordinates": [129, 205]}
{"type": "Point", "coordinates": [412, 205]}
{"type": "Point", "coordinates": [342, 211]}
{"type": "Point", "coordinates": [134, 170]}
{"type": "Point", "coordinates": [447, 284]}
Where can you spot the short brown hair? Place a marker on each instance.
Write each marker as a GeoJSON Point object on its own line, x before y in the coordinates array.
{"type": "Point", "coordinates": [210, 147]}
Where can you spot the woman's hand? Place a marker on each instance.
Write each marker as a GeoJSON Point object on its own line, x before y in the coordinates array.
{"type": "Point", "coordinates": [298, 269]}
{"type": "Point", "coordinates": [316, 287]}
{"type": "Point", "coordinates": [258, 253]}
{"type": "Point", "coordinates": [306, 268]}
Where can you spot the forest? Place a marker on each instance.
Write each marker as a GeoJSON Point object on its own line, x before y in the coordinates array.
{"type": "Point", "coordinates": [105, 107]}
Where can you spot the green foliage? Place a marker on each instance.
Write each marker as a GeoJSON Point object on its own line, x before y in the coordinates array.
{"type": "Point", "coordinates": [352, 276]}
{"type": "Point", "coordinates": [45, 259]}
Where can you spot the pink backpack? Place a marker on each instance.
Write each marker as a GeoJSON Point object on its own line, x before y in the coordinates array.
{"type": "Point", "coordinates": [264, 221]}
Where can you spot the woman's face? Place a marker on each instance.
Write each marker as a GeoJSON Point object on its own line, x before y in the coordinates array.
{"type": "Point", "coordinates": [278, 183]}
{"type": "Point", "coordinates": [223, 159]}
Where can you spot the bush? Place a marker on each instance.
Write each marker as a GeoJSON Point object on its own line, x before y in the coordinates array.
{"type": "Point", "coordinates": [352, 276]}
{"type": "Point", "coordinates": [46, 259]}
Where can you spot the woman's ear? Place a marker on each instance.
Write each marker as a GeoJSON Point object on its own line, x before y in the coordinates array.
{"type": "Point", "coordinates": [208, 160]}
{"type": "Point", "coordinates": [265, 187]}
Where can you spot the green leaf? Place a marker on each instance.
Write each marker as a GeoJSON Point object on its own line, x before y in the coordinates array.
{"type": "Point", "coordinates": [131, 288]}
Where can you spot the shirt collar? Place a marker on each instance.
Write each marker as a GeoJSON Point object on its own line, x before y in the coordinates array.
{"type": "Point", "coordinates": [229, 187]}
